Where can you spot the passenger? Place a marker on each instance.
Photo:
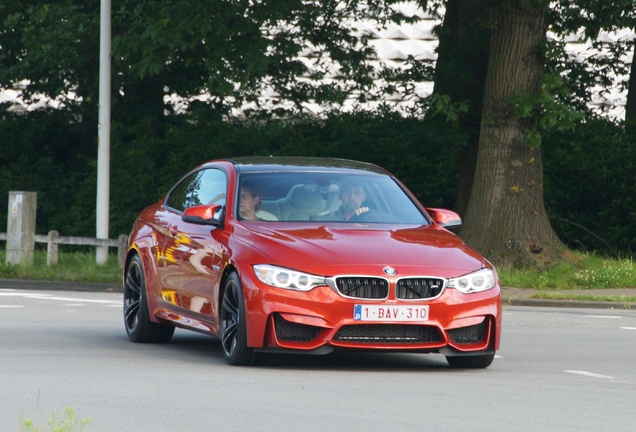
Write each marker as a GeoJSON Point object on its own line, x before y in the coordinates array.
{"type": "Point", "coordinates": [250, 202]}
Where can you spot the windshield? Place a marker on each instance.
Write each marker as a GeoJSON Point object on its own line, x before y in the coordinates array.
{"type": "Point", "coordinates": [326, 197]}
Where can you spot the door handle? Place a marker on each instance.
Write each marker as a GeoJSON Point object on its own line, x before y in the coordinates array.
{"type": "Point", "coordinates": [173, 230]}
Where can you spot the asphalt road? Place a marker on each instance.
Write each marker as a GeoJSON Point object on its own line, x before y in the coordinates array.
{"type": "Point", "coordinates": [558, 370]}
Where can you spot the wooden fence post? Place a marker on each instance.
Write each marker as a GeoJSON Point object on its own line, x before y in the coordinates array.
{"type": "Point", "coordinates": [21, 228]}
{"type": "Point", "coordinates": [52, 249]}
{"type": "Point", "coordinates": [122, 241]}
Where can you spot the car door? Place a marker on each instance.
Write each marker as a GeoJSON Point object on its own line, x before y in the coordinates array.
{"type": "Point", "coordinates": [193, 258]}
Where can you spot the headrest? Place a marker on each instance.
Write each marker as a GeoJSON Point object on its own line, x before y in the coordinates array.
{"type": "Point", "coordinates": [306, 197]}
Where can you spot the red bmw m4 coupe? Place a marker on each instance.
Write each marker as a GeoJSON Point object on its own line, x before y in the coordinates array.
{"type": "Point", "coordinates": [308, 255]}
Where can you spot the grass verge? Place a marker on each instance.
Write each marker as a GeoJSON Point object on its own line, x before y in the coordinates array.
{"type": "Point", "coordinates": [72, 266]}
{"type": "Point", "coordinates": [584, 272]}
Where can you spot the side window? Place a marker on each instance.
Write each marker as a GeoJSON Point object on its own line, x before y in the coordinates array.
{"type": "Point", "coordinates": [202, 187]}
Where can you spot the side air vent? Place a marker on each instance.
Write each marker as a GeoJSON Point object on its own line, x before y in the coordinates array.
{"type": "Point", "coordinates": [294, 332]}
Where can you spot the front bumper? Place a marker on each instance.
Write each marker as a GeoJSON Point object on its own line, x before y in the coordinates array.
{"type": "Point", "coordinates": [322, 319]}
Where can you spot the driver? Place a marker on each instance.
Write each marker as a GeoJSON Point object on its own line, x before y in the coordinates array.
{"type": "Point", "coordinates": [351, 196]}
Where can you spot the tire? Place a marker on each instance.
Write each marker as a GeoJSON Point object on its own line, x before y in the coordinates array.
{"type": "Point", "coordinates": [234, 325]}
{"type": "Point", "coordinates": [470, 362]}
{"type": "Point", "coordinates": [136, 316]}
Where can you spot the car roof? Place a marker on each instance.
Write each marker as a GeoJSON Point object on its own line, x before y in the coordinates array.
{"type": "Point", "coordinates": [294, 163]}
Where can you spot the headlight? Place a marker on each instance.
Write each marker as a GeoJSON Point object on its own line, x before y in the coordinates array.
{"type": "Point", "coordinates": [280, 277]}
{"type": "Point", "coordinates": [478, 281]}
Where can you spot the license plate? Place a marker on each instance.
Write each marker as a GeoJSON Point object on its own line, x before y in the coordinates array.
{"type": "Point", "coordinates": [390, 313]}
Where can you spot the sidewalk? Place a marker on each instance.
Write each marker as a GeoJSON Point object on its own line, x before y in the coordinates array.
{"type": "Point", "coordinates": [510, 296]}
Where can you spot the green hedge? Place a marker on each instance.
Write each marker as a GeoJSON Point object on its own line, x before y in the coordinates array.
{"type": "Point", "coordinates": [590, 172]}
{"type": "Point", "coordinates": [145, 162]}
{"type": "Point", "coordinates": [590, 185]}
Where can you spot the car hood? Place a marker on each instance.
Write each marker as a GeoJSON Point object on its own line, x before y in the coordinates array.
{"type": "Point", "coordinates": [330, 250]}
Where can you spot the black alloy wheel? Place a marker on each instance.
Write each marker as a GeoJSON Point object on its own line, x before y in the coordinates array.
{"type": "Point", "coordinates": [233, 325]}
{"type": "Point", "coordinates": [136, 316]}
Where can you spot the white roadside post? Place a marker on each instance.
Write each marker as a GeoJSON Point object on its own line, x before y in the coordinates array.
{"type": "Point", "coordinates": [103, 139]}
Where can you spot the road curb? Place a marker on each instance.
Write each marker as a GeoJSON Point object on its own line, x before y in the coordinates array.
{"type": "Point", "coordinates": [566, 303]}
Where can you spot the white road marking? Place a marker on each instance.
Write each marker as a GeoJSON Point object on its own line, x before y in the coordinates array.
{"type": "Point", "coordinates": [588, 374]}
{"type": "Point", "coordinates": [628, 328]}
{"type": "Point", "coordinates": [603, 316]}
{"type": "Point", "coordinates": [51, 297]}
{"type": "Point", "coordinates": [11, 306]}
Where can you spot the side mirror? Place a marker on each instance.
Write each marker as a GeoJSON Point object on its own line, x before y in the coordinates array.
{"type": "Point", "coordinates": [202, 215]}
{"type": "Point", "coordinates": [445, 218]}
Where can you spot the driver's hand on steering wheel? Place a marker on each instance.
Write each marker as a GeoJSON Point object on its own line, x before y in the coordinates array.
{"type": "Point", "coordinates": [361, 210]}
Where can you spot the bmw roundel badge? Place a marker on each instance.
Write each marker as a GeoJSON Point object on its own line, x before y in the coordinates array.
{"type": "Point", "coordinates": [390, 271]}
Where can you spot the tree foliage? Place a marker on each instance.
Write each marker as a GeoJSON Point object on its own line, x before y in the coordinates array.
{"type": "Point", "coordinates": [227, 51]}
{"type": "Point", "coordinates": [603, 61]}
{"type": "Point", "coordinates": [181, 68]}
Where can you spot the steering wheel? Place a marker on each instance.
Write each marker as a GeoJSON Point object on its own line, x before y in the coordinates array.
{"type": "Point", "coordinates": [374, 216]}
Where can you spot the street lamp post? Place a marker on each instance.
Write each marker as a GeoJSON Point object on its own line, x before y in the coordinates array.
{"type": "Point", "coordinates": [103, 138]}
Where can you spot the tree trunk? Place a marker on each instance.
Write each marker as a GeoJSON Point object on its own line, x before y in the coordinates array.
{"type": "Point", "coordinates": [460, 72]}
{"type": "Point", "coordinates": [506, 218]}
